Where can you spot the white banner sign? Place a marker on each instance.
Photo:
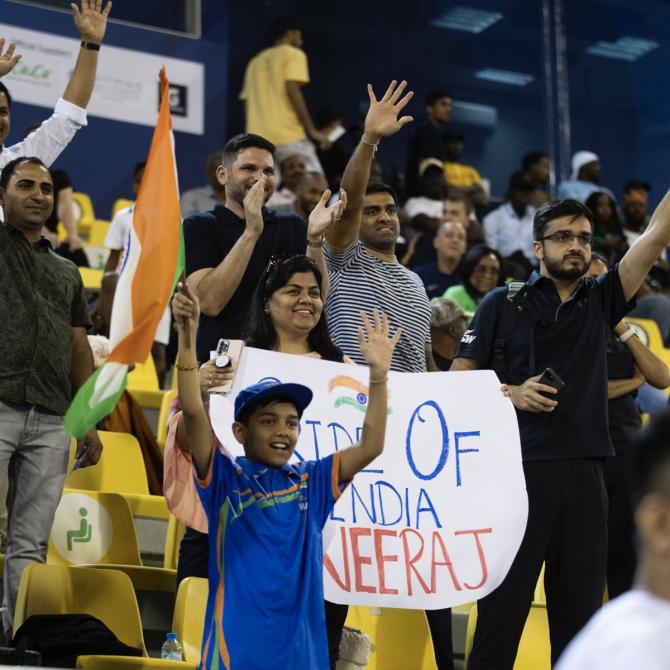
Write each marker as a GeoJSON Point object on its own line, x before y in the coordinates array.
{"type": "Point", "coordinates": [437, 519]}
{"type": "Point", "coordinates": [126, 87]}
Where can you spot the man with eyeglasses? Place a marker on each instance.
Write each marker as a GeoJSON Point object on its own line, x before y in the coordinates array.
{"type": "Point", "coordinates": [561, 322]}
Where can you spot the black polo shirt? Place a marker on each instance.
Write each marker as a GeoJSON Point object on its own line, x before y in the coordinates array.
{"type": "Point", "coordinates": [41, 299]}
{"type": "Point", "coordinates": [209, 237]}
{"type": "Point", "coordinates": [571, 338]}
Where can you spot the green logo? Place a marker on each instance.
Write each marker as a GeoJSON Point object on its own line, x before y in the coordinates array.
{"type": "Point", "coordinates": [83, 533]}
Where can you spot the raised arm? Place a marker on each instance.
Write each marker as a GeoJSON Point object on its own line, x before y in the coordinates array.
{"type": "Point", "coordinates": [640, 258]}
{"type": "Point", "coordinates": [194, 432]}
{"type": "Point", "coordinates": [377, 346]}
{"type": "Point", "coordinates": [214, 287]}
{"type": "Point", "coordinates": [91, 22]}
{"type": "Point", "coordinates": [321, 219]}
{"type": "Point", "coordinates": [381, 121]}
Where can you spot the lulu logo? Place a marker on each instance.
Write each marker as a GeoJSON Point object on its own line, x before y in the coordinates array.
{"type": "Point", "coordinates": [353, 393]}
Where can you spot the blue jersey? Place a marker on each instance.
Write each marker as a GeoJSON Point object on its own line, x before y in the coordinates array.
{"type": "Point", "coordinates": [265, 608]}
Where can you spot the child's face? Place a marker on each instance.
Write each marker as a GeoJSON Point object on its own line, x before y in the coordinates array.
{"type": "Point", "coordinates": [271, 435]}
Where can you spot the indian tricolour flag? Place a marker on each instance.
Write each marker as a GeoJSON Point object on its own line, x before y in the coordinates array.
{"type": "Point", "coordinates": [154, 260]}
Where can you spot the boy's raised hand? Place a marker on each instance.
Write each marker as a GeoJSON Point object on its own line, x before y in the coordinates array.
{"type": "Point", "coordinates": [377, 344]}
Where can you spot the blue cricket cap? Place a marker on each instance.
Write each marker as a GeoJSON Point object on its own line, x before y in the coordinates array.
{"type": "Point", "coordinates": [268, 389]}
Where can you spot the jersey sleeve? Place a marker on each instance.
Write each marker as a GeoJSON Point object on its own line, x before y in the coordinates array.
{"type": "Point", "coordinates": [296, 66]}
{"type": "Point", "coordinates": [117, 235]}
{"type": "Point", "coordinates": [216, 484]}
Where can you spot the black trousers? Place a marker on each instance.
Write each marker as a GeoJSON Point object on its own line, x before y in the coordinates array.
{"type": "Point", "coordinates": [439, 622]}
{"type": "Point", "coordinates": [193, 555]}
{"type": "Point", "coordinates": [567, 529]}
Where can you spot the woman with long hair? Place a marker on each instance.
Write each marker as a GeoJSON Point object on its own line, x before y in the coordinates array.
{"type": "Point", "coordinates": [608, 236]}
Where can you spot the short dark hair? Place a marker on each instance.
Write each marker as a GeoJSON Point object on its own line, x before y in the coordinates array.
{"type": "Point", "coordinates": [243, 141]}
{"type": "Point", "coordinates": [380, 187]}
{"type": "Point", "coordinates": [325, 116]}
{"type": "Point", "coordinates": [249, 409]}
{"type": "Point", "coordinates": [636, 185]}
{"type": "Point", "coordinates": [5, 90]}
{"type": "Point", "coordinates": [260, 331]}
{"type": "Point", "coordinates": [10, 168]}
{"type": "Point", "coordinates": [137, 168]}
{"type": "Point", "coordinates": [557, 209]}
{"type": "Point", "coordinates": [531, 158]}
{"type": "Point", "coordinates": [281, 25]}
{"type": "Point", "coordinates": [436, 94]}
{"type": "Point", "coordinates": [651, 464]}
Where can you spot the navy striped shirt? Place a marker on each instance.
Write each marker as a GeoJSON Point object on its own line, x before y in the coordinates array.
{"type": "Point", "coordinates": [360, 281]}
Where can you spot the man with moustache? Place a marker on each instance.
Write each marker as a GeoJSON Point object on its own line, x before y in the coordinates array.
{"type": "Point", "coordinates": [560, 319]}
{"type": "Point", "coordinates": [228, 248]}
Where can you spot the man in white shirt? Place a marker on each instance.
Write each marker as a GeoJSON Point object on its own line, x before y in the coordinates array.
{"type": "Point", "coordinates": [631, 631]}
{"type": "Point", "coordinates": [54, 134]}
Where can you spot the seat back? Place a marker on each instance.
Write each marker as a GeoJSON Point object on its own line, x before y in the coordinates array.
{"type": "Point", "coordinates": [534, 651]}
{"type": "Point", "coordinates": [120, 470]}
{"type": "Point", "coordinates": [83, 212]}
{"type": "Point", "coordinates": [121, 203]}
{"type": "Point", "coordinates": [91, 527]}
{"type": "Point", "coordinates": [162, 428]}
{"type": "Point", "coordinates": [98, 232]}
{"type": "Point", "coordinates": [105, 594]}
{"type": "Point", "coordinates": [144, 377]}
{"type": "Point", "coordinates": [175, 532]}
{"type": "Point", "coordinates": [189, 616]}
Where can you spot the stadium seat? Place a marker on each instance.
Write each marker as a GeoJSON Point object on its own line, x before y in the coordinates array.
{"type": "Point", "coordinates": [534, 648]}
{"type": "Point", "coordinates": [143, 384]}
{"type": "Point", "coordinates": [121, 203]}
{"type": "Point", "coordinates": [120, 470]}
{"type": "Point", "coordinates": [83, 212]}
{"type": "Point", "coordinates": [401, 637]}
{"type": "Point", "coordinates": [98, 232]}
{"type": "Point", "coordinates": [189, 616]}
{"type": "Point", "coordinates": [175, 531]}
{"type": "Point", "coordinates": [161, 430]}
{"type": "Point", "coordinates": [92, 278]}
{"type": "Point", "coordinates": [93, 528]}
{"type": "Point", "coordinates": [105, 594]}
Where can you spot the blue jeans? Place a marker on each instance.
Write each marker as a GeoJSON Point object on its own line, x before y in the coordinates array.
{"type": "Point", "coordinates": [33, 455]}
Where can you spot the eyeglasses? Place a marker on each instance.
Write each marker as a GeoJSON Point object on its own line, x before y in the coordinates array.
{"type": "Point", "coordinates": [566, 236]}
{"type": "Point", "coordinates": [481, 270]}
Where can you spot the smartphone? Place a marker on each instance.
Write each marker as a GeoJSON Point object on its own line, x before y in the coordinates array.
{"type": "Point", "coordinates": [551, 378]}
{"type": "Point", "coordinates": [227, 352]}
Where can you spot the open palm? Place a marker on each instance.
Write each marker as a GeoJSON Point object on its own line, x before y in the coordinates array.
{"type": "Point", "coordinates": [376, 342]}
{"type": "Point", "coordinates": [382, 117]}
{"type": "Point", "coordinates": [91, 20]}
{"type": "Point", "coordinates": [8, 60]}
{"type": "Point", "coordinates": [322, 216]}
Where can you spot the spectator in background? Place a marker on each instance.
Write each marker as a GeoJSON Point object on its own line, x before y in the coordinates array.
{"type": "Point", "coordinates": [116, 241]}
{"type": "Point", "coordinates": [432, 192]}
{"type": "Point", "coordinates": [335, 154]}
{"type": "Point", "coordinates": [204, 198]}
{"type": "Point", "coordinates": [535, 165]}
{"type": "Point", "coordinates": [52, 136]}
{"type": "Point", "coordinates": [426, 145]}
{"type": "Point", "coordinates": [461, 179]}
{"type": "Point", "coordinates": [291, 172]}
{"type": "Point", "coordinates": [447, 325]}
{"type": "Point", "coordinates": [630, 364]}
{"type": "Point", "coordinates": [585, 178]}
{"type": "Point", "coordinates": [439, 275]}
{"type": "Point", "coordinates": [632, 631]}
{"type": "Point", "coordinates": [308, 193]}
{"type": "Point", "coordinates": [635, 209]}
{"type": "Point", "coordinates": [608, 237]}
{"type": "Point", "coordinates": [509, 229]}
{"type": "Point", "coordinates": [274, 104]}
{"type": "Point", "coordinates": [482, 271]}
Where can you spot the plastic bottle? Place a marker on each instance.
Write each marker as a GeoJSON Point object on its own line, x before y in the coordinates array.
{"type": "Point", "coordinates": [171, 649]}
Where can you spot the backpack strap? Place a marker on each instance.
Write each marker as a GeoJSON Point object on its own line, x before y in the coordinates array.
{"type": "Point", "coordinates": [510, 312]}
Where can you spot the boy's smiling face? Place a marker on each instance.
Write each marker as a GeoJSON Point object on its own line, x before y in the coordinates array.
{"type": "Point", "coordinates": [270, 434]}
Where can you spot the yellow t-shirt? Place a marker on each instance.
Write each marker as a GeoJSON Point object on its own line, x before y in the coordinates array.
{"type": "Point", "coordinates": [461, 175]}
{"type": "Point", "coordinates": [269, 111]}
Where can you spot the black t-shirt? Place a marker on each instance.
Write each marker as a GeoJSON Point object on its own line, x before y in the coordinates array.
{"type": "Point", "coordinates": [209, 237]}
{"type": "Point", "coordinates": [427, 142]}
{"type": "Point", "coordinates": [569, 337]}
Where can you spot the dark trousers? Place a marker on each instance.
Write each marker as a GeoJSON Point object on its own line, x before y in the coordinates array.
{"type": "Point", "coordinates": [193, 555]}
{"type": "Point", "coordinates": [567, 529]}
{"type": "Point", "coordinates": [439, 622]}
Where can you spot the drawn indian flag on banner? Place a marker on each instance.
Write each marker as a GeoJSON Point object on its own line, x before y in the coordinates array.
{"type": "Point", "coordinates": [153, 262]}
{"type": "Point", "coordinates": [351, 386]}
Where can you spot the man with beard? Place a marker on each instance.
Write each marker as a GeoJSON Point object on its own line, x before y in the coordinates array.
{"type": "Point", "coordinates": [559, 319]}
{"type": "Point", "coordinates": [228, 249]}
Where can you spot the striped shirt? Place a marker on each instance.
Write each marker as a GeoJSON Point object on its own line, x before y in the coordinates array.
{"type": "Point", "coordinates": [360, 281]}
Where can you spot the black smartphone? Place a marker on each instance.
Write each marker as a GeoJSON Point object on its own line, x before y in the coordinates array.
{"type": "Point", "coordinates": [551, 378]}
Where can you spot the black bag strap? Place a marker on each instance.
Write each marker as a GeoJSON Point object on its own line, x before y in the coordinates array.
{"type": "Point", "coordinates": [514, 305]}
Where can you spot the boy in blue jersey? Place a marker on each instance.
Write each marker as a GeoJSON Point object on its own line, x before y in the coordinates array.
{"type": "Point", "coordinates": [265, 608]}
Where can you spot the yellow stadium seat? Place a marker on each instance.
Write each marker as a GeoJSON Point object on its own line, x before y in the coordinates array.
{"type": "Point", "coordinates": [539, 597]}
{"type": "Point", "coordinates": [91, 277]}
{"type": "Point", "coordinates": [120, 470]}
{"type": "Point", "coordinates": [83, 212]}
{"type": "Point", "coordinates": [119, 204]}
{"type": "Point", "coordinates": [189, 616]}
{"type": "Point", "coordinates": [98, 233]}
{"type": "Point", "coordinates": [107, 595]}
{"type": "Point", "coordinates": [175, 531]}
{"type": "Point", "coordinates": [161, 430]}
{"type": "Point", "coordinates": [401, 637]}
{"type": "Point", "coordinates": [534, 651]}
{"type": "Point", "coordinates": [143, 384]}
{"type": "Point", "coordinates": [96, 529]}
